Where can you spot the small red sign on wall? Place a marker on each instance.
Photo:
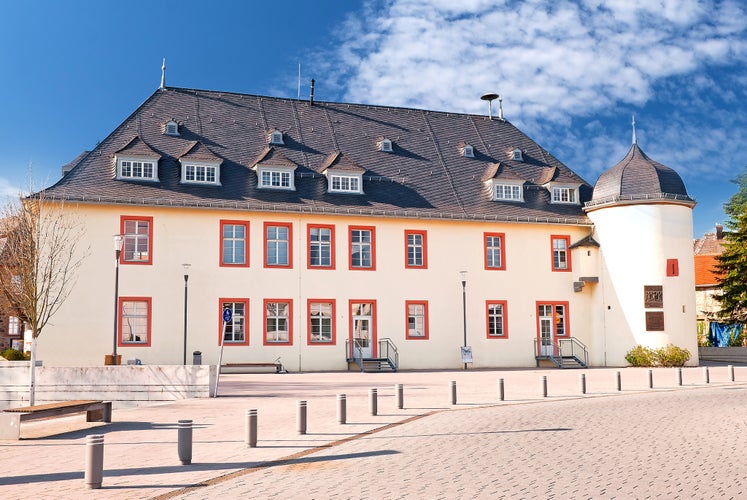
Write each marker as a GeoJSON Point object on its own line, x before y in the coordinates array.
{"type": "Point", "coordinates": [673, 267]}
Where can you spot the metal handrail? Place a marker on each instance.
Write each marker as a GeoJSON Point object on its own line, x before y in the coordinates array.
{"type": "Point", "coordinates": [388, 350]}
{"type": "Point", "coordinates": [568, 347]}
{"type": "Point", "coordinates": [354, 352]}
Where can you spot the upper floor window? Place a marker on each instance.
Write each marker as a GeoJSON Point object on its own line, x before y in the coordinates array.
{"type": "Point", "coordinates": [234, 247]}
{"type": "Point", "coordinates": [276, 178]}
{"type": "Point", "coordinates": [362, 248]}
{"type": "Point", "coordinates": [344, 183]}
{"type": "Point", "coordinates": [276, 137]}
{"type": "Point", "coordinates": [560, 253]}
{"type": "Point", "coordinates": [321, 321]}
{"type": "Point", "coordinates": [417, 319]}
{"type": "Point", "coordinates": [235, 330]}
{"type": "Point", "coordinates": [137, 169]}
{"type": "Point", "coordinates": [278, 244]}
{"type": "Point", "coordinates": [321, 249]}
{"type": "Point", "coordinates": [277, 319]}
{"type": "Point", "coordinates": [137, 240]}
{"type": "Point", "coordinates": [495, 252]}
{"type": "Point", "coordinates": [562, 194]}
{"type": "Point", "coordinates": [14, 326]}
{"type": "Point", "coordinates": [416, 249]}
{"type": "Point", "coordinates": [497, 319]}
{"type": "Point", "coordinates": [200, 173]}
{"type": "Point", "coordinates": [510, 192]}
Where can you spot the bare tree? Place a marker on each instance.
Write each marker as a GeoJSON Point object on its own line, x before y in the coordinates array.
{"type": "Point", "coordinates": [40, 258]}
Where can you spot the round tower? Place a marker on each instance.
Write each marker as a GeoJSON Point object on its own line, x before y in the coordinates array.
{"type": "Point", "coordinates": [643, 222]}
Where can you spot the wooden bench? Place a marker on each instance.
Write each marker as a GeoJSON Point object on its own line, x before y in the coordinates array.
{"type": "Point", "coordinates": [10, 419]}
{"type": "Point", "coordinates": [246, 367]}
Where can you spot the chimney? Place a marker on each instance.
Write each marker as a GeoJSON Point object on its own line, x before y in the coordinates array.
{"type": "Point", "coordinates": [311, 100]}
{"type": "Point", "coordinates": [719, 232]}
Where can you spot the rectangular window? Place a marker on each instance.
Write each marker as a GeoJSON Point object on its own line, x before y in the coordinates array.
{"type": "Point", "coordinates": [276, 178]}
{"type": "Point", "coordinates": [278, 244]}
{"type": "Point", "coordinates": [345, 183]}
{"type": "Point", "coordinates": [362, 248]}
{"type": "Point", "coordinates": [200, 173]}
{"type": "Point", "coordinates": [134, 321]}
{"type": "Point", "coordinates": [563, 195]}
{"type": "Point", "coordinates": [137, 240]}
{"type": "Point", "coordinates": [277, 319]}
{"type": "Point", "coordinates": [495, 252]}
{"type": "Point", "coordinates": [417, 250]}
{"type": "Point", "coordinates": [321, 321]}
{"type": "Point", "coordinates": [507, 192]}
{"type": "Point", "coordinates": [14, 326]}
{"type": "Point", "coordinates": [136, 169]}
{"type": "Point", "coordinates": [561, 260]}
{"type": "Point", "coordinates": [417, 320]}
{"type": "Point", "coordinates": [321, 249]}
{"type": "Point", "coordinates": [235, 333]}
{"type": "Point", "coordinates": [497, 319]}
{"type": "Point", "coordinates": [234, 243]}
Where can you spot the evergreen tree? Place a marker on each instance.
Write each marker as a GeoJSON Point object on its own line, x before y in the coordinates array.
{"type": "Point", "coordinates": [732, 263]}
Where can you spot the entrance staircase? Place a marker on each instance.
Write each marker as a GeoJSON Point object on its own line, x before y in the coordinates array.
{"type": "Point", "coordinates": [387, 359]}
{"type": "Point", "coordinates": [566, 353]}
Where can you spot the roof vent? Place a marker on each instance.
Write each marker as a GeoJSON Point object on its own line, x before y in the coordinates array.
{"type": "Point", "coordinates": [171, 128]}
{"type": "Point", "coordinates": [385, 145]}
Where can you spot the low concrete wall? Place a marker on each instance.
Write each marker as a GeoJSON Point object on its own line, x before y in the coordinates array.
{"type": "Point", "coordinates": [126, 385]}
{"type": "Point", "coordinates": [723, 354]}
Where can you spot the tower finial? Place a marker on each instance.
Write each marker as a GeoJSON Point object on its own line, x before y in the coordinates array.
{"type": "Point", "coordinates": [635, 140]}
{"type": "Point", "coordinates": [163, 74]}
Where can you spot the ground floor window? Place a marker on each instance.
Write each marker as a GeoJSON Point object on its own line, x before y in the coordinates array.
{"type": "Point", "coordinates": [321, 321]}
{"type": "Point", "coordinates": [278, 313]}
{"type": "Point", "coordinates": [134, 321]}
{"type": "Point", "coordinates": [497, 319]}
{"type": "Point", "coordinates": [235, 330]}
{"type": "Point", "coordinates": [417, 319]}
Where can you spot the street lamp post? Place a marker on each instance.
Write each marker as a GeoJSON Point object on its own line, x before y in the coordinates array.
{"type": "Point", "coordinates": [463, 274]}
{"type": "Point", "coordinates": [118, 241]}
{"type": "Point", "coordinates": [186, 279]}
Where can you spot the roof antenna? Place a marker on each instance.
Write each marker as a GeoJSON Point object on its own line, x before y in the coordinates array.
{"type": "Point", "coordinates": [500, 108]}
{"type": "Point", "coordinates": [163, 75]}
{"type": "Point", "coordinates": [311, 99]}
{"type": "Point", "coordinates": [490, 97]}
{"type": "Point", "coordinates": [299, 81]}
{"type": "Point", "coordinates": [635, 140]}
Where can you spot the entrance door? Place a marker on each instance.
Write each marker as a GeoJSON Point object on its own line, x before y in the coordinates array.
{"type": "Point", "coordinates": [362, 332]}
{"type": "Point", "coordinates": [551, 327]}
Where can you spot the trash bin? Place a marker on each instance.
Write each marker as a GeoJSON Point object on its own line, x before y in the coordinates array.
{"type": "Point", "coordinates": [197, 358]}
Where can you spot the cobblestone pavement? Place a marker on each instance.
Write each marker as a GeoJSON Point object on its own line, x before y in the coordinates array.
{"type": "Point", "coordinates": [680, 444]}
{"type": "Point", "coordinates": [653, 438]}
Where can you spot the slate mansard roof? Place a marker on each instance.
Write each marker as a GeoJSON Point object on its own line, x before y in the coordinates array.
{"type": "Point", "coordinates": [424, 176]}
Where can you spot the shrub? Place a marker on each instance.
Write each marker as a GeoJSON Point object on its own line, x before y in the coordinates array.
{"type": "Point", "coordinates": [641, 356]}
{"type": "Point", "coordinates": [13, 355]}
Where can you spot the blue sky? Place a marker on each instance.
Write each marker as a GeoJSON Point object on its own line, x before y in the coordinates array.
{"type": "Point", "coordinates": [571, 73]}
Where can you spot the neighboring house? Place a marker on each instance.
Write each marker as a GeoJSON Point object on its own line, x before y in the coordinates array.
{"type": "Point", "coordinates": [11, 326]}
{"type": "Point", "coordinates": [326, 228]}
{"type": "Point", "coordinates": [706, 250]}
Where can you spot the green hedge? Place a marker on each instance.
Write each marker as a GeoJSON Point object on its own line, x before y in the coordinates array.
{"type": "Point", "coordinates": [14, 355]}
{"type": "Point", "coordinates": [670, 355]}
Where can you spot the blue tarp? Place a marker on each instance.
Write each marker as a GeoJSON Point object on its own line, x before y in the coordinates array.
{"type": "Point", "coordinates": [721, 334]}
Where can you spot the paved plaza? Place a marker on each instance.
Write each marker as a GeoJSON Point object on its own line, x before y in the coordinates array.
{"type": "Point", "coordinates": [665, 441]}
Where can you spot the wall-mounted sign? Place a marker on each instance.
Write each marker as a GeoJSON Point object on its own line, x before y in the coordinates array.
{"type": "Point", "coordinates": [654, 321]}
{"type": "Point", "coordinates": [653, 296]}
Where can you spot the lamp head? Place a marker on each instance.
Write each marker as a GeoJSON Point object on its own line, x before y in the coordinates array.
{"type": "Point", "coordinates": [118, 241]}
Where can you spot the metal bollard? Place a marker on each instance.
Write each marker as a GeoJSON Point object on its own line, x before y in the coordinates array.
{"type": "Point", "coordinates": [706, 376]}
{"type": "Point", "coordinates": [679, 376]}
{"type": "Point", "coordinates": [544, 386]}
{"type": "Point", "coordinates": [342, 408]}
{"type": "Point", "coordinates": [618, 376]}
{"type": "Point", "coordinates": [94, 461]}
{"type": "Point", "coordinates": [731, 372]}
{"type": "Point", "coordinates": [650, 379]}
{"type": "Point", "coordinates": [582, 383]}
{"type": "Point", "coordinates": [301, 417]}
{"type": "Point", "coordinates": [373, 401]}
{"type": "Point", "coordinates": [400, 390]}
{"type": "Point", "coordinates": [453, 391]}
{"type": "Point", "coordinates": [185, 441]}
{"type": "Point", "coordinates": [501, 390]}
{"type": "Point", "coordinates": [251, 428]}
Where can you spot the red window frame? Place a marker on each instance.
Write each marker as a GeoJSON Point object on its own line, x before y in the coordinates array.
{"type": "Point", "coordinates": [332, 256]}
{"type": "Point", "coordinates": [554, 304]}
{"type": "Point", "coordinates": [245, 301]}
{"type": "Point", "coordinates": [373, 248]}
{"type": "Point", "coordinates": [246, 242]}
{"type": "Point", "coordinates": [426, 334]}
{"type": "Point", "coordinates": [502, 237]}
{"type": "Point", "coordinates": [122, 300]}
{"type": "Point", "coordinates": [334, 322]}
{"type": "Point", "coordinates": [136, 218]}
{"type": "Point", "coordinates": [567, 239]}
{"type": "Point", "coordinates": [504, 304]}
{"type": "Point", "coordinates": [290, 322]}
{"type": "Point", "coordinates": [424, 235]}
{"type": "Point", "coordinates": [289, 226]}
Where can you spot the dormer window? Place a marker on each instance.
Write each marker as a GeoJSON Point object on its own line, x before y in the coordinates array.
{"type": "Point", "coordinates": [564, 194]}
{"type": "Point", "coordinates": [200, 172]}
{"type": "Point", "coordinates": [171, 128]}
{"type": "Point", "coordinates": [385, 145]}
{"type": "Point", "coordinates": [468, 151]}
{"type": "Point", "coordinates": [276, 137]}
{"type": "Point", "coordinates": [275, 177]}
{"type": "Point", "coordinates": [508, 192]}
{"type": "Point", "coordinates": [141, 169]}
{"type": "Point", "coordinates": [517, 155]}
{"type": "Point", "coordinates": [345, 183]}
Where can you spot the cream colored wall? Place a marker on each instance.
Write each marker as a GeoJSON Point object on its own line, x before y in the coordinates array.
{"type": "Point", "coordinates": [82, 331]}
{"type": "Point", "coordinates": [636, 241]}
